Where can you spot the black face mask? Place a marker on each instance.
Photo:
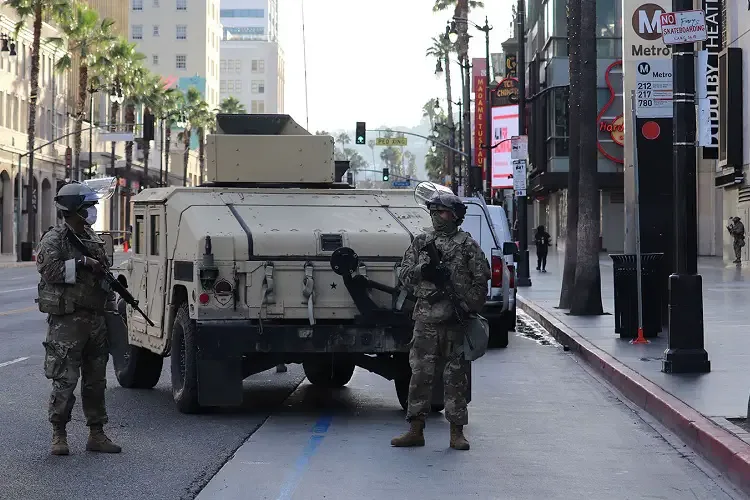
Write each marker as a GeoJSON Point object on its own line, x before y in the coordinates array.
{"type": "Point", "coordinates": [443, 226]}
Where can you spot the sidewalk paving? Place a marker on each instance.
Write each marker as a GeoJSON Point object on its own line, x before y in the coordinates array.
{"type": "Point", "coordinates": [8, 261]}
{"type": "Point", "coordinates": [723, 393]}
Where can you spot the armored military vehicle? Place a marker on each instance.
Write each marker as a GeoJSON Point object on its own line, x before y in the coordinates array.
{"type": "Point", "coordinates": [269, 261]}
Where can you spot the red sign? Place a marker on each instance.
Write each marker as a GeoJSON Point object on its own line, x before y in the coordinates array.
{"type": "Point", "coordinates": [615, 129]}
{"type": "Point", "coordinates": [480, 120]}
{"type": "Point", "coordinates": [611, 133]}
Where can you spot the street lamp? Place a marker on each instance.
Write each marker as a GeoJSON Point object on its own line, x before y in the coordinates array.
{"type": "Point", "coordinates": [8, 46]}
{"type": "Point", "coordinates": [453, 32]}
{"type": "Point", "coordinates": [439, 70]}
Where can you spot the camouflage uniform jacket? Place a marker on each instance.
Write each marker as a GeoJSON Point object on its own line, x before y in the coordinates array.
{"type": "Point", "coordinates": [64, 286]}
{"type": "Point", "coordinates": [469, 270]}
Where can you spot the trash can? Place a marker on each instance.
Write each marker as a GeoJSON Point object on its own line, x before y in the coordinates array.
{"type": "Point", "coordinates": [624, 268]}
{"type": "Point", "coordinates": [27, 251]}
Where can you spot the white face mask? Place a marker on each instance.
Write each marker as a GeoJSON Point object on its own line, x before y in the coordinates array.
{"type": "Point", "coordinates": [91, 215]}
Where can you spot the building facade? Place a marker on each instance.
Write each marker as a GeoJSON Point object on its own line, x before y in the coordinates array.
{"type": "Point", "coordinates": [252, 60]}
{"type": "Point", "coordinates": [181, 41]}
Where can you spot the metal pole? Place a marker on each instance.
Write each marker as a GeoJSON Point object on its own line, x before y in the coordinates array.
{"type": "Point", "coordinates": [19, 211]}
{"type": "Point", "coordinates": [638, 266]}
{"type": "Point", "coordinates": [524, 279]}
{"type": "Point", "coordinates": [686, 353]}
{"type": "Point", "coordinates": [91, 128]}
{"type": "Point", "coordinates": [488, 112]}
{"type": "Point", "coordinates": [161, 153]}
{"type": "Point", "coordinates": [460, 180]}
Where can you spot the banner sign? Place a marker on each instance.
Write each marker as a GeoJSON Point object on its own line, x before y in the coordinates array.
{"type": "Point", "coordinates": [480, 115]}
{"type": "Point", "coordinates": [713, 44]}
{"type": "Point", "coordinates": [504, 126]}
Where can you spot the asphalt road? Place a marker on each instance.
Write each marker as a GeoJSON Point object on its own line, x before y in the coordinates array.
{"type": "Point", "coordinates": [541, 426]}
{"type": "Point", "coordinates": [166, 455]}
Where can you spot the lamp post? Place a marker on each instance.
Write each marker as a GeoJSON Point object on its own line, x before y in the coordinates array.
{"type": "Point", "coordinates": [115, 98]}
{"type": "Point", "coordinates": [466, 83]}
{"type": "Point", "coordinates": [524, 277]}
{"type": "Point", "coordinates": [488, 99]}
{"type": "Point", "coordinates": [8, 51]}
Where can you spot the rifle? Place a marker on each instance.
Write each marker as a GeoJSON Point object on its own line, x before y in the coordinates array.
{"type": "Point", "coordinates": [108, 277]}
{"type": "Point", "coordinates": [445, 288]}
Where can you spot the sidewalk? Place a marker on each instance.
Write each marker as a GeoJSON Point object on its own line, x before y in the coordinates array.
{"type": "Point", "coordinates": [8, 261]}
{"type": "Point", "coordinates": [636, 369]}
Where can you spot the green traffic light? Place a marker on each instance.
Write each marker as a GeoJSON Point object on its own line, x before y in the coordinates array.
{"type": "Point", "coordinates": [360, 140]}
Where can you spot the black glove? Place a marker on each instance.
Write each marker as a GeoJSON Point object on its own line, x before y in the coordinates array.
{"type": "Point", "coordinates": [438, 274]}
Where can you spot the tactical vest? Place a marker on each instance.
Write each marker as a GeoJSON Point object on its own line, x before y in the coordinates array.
{"type": "Point", "coordinates": [89, 292]}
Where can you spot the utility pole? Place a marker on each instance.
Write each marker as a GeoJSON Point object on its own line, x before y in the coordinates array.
{"type": "Point", "coordinates": [685, 352]}
{"type": "Point", "coordinates": [467, 118]}
{"type": "Point", "coordinates": [524, 278]}
{"type": "Point", "coordinates": [488, 111]}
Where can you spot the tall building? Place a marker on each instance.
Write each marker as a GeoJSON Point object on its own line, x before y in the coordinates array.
{"type": "Point", "coordinates": [180, 40]}
{"type": "Point", "coordinates": [252, 61]}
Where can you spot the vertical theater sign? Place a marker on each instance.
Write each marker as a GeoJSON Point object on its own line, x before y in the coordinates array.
{"type": "Point", "coordinates": [610, 120]}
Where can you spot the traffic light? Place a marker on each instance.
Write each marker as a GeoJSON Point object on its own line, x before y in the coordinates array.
{"type": "Point", "coordinates": [385, 175]}
{"type": "Point", "coordinates": [360, 133]}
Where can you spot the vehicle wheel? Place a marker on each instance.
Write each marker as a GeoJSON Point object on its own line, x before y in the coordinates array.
{"type": "Point", "coordinates": [402, 391]}
{"type": "Point", "coordinates": [135, 367]}
{"type": "Point", "coordinates": [328, 374]}
{"type": "Point", "coordinates": [184, 368]}
{"type": "Point", "coordinates": [498, 333]}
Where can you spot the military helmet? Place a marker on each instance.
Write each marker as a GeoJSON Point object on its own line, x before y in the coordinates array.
{"type": "Point", "coordinates": [74, 196]}
{"type": "Point", "coordinates": [447, 201]}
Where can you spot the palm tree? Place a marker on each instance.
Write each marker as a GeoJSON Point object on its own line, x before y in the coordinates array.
{"type": "Point", "coordinates": [192, 107]}
{"type": "Point", "coordinates": [87, 39]}
{"type": "Point", "coordinates": [204, 120]}
{"type": "Point", "coordinates": [371, 145]}
{"type": "Point", "coordinates": [38, 10]}
{"type": "Point", "coordinates": [587, 298]}
{"type": "Point", "coordinates": [232, 106]}
{"type": "Point", "coordinates": [149, 91]}
{"type": "Point", "coordinates": [461, 11]}
{"type": "Point", "coordinates": [441, 49]}
{"type": "Point", "coordinates": [173, 102]}
{"type": "Point", "coordinates": [343, 140]}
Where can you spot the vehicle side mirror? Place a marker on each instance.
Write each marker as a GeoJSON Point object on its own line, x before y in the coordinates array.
{"type": "Point", "coordinates": [510, 248]}
{"type": "Point", "coordinates": [109, 246]}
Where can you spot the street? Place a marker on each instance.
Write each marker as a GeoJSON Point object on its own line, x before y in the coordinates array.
{"type": "Point", "coordinates": [541, 426]}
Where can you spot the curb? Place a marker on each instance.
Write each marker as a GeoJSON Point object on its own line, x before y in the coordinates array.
{"type": "Point", "coordinates": [725, 451]}
{"type": "Point", "coordinates": [13, 265]}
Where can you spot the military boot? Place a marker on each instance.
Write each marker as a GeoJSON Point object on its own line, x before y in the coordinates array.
{"type": "Point", "coordinates": [458, 440]}
{"type": "Point", "coordinates": [59, 440]}
{"type": "Point", "coordinates": [413, 437]}
{"type": "Point", "coordinates": [98, 441]}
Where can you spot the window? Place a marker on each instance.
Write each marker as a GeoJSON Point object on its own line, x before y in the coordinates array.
{"type": "Point", "coordinates": [154, 235]}
{"type": "Point", "coordinates": [155, 60]}
{"type": "Point", "coordinates": [223, 86]}
{"type": "Point", "coordinates": [156, 4]}
{"type": "Point", "coordinates": [238, 65]}
{"type": "Point", "coordinates": [181, 61]}
{"type": "Point", "coordinates": [156, 30]}
{"type": "Point", "coordinates": [257, 107]}
{"type": "Point", "coordinates": [230, 85]}
{"type": "Point", "coordinates": [182, 31]}
{"type": "Point", "coordinates": [137, 4]}
{"type": "Point", "coordinates": [258, 87]}
{"type": "Point", "coordinates": [138, 246]}
{"type": "Point", "coordinates": [181, 4]}
{"type": "Point", "coordinates": [238, 85]}
{"type": "Point", "coordinates": [137, 30]}
{"type": "Point", "coordinates": [258, 66]}
{"type": "Point", "coordinates": [223, 65]}
{"type": "Point", "coordinates": [255, 13]}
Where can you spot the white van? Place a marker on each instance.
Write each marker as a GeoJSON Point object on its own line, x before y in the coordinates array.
{"type": "Point", "coordinates": [488, 225]}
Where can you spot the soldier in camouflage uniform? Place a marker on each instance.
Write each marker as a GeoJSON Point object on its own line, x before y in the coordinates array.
{"type": "Point", "coordinates": [72, 293]}
{"type": "Point", "coordinates": [437, 333]}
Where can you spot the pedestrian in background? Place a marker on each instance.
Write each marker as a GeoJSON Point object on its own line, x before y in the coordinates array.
{"type": "Point", "coordinates": [542, 242]}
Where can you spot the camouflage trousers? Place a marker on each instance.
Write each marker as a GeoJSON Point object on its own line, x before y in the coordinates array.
{"type": "Point", "coordinates": [433, 344]}
{"type": "Point", "coordinates": [77, 344]}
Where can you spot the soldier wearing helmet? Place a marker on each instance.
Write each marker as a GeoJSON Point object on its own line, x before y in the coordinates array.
{"type": "Point", "coordinates": [73, 294]}
{"type": "Point", "coordinates": [438, 336]}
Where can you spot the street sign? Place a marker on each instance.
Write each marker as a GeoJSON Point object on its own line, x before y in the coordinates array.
{"type": "Point", "coordinates": [519, 147]}
{"type": "Point", "coordinates": [401, 184]}
{"type": "Point", "coordinates": [519, 177]}
{"type": "Point", "coordinates": [653, 80]}
{"type": "Point", "coordinates": [686, 26]}
{"type": "Point", "coordinates": [391, 141]}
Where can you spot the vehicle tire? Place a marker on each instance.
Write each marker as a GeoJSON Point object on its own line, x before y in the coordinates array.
{"type": "Point", "coordinates": [135, 367]}
{"type": "Point", "coordinates": [184, 362]}
{"type": "Point", "coordinates": [498, 333]}
{"type": "Point", "coordinates": [402, 391]}
{"type": "Point", "coordinates": [331, 374]}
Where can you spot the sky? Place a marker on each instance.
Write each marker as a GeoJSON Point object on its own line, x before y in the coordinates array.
{"type": "Point", "coordinates": [366, 58]}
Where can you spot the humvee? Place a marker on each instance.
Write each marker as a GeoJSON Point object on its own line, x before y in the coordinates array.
{"type": "Point", "coordinates": [269, 261]}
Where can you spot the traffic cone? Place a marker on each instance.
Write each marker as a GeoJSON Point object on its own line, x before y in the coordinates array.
{"type": "Point", "coordinates": [125, 246]}
{"type": "Point", "coordinates": [640, 339]}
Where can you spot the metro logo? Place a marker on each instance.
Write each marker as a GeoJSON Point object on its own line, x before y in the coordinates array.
{"type": "Point", "coordinates": [646, 21]}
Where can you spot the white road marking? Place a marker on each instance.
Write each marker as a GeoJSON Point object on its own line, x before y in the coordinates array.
{"type": "Point", "coordinates": [18, 290]}
{"type": "Point", "coordinates": [17, 360]}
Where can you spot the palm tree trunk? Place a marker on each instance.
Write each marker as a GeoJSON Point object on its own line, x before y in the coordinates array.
{"type": "Point", "coordinates": [202, 152]}
{"type": "Point", "coordinates": [186, 155]}
{"type": "Point", "coordinates": [33, 96]}
{"type": "Point", "coordinates": [587, 297]}
{"type": "Point", "coordinates": [574, 119]}
{"type": "Point", "coordinates": [146, 154]}
{"type": "Point", "coordinates": [83, 78]}
{"type": "Point", "coordinates": [167, 145]}
{"type": "Point", "coordinates": [129, 121]}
